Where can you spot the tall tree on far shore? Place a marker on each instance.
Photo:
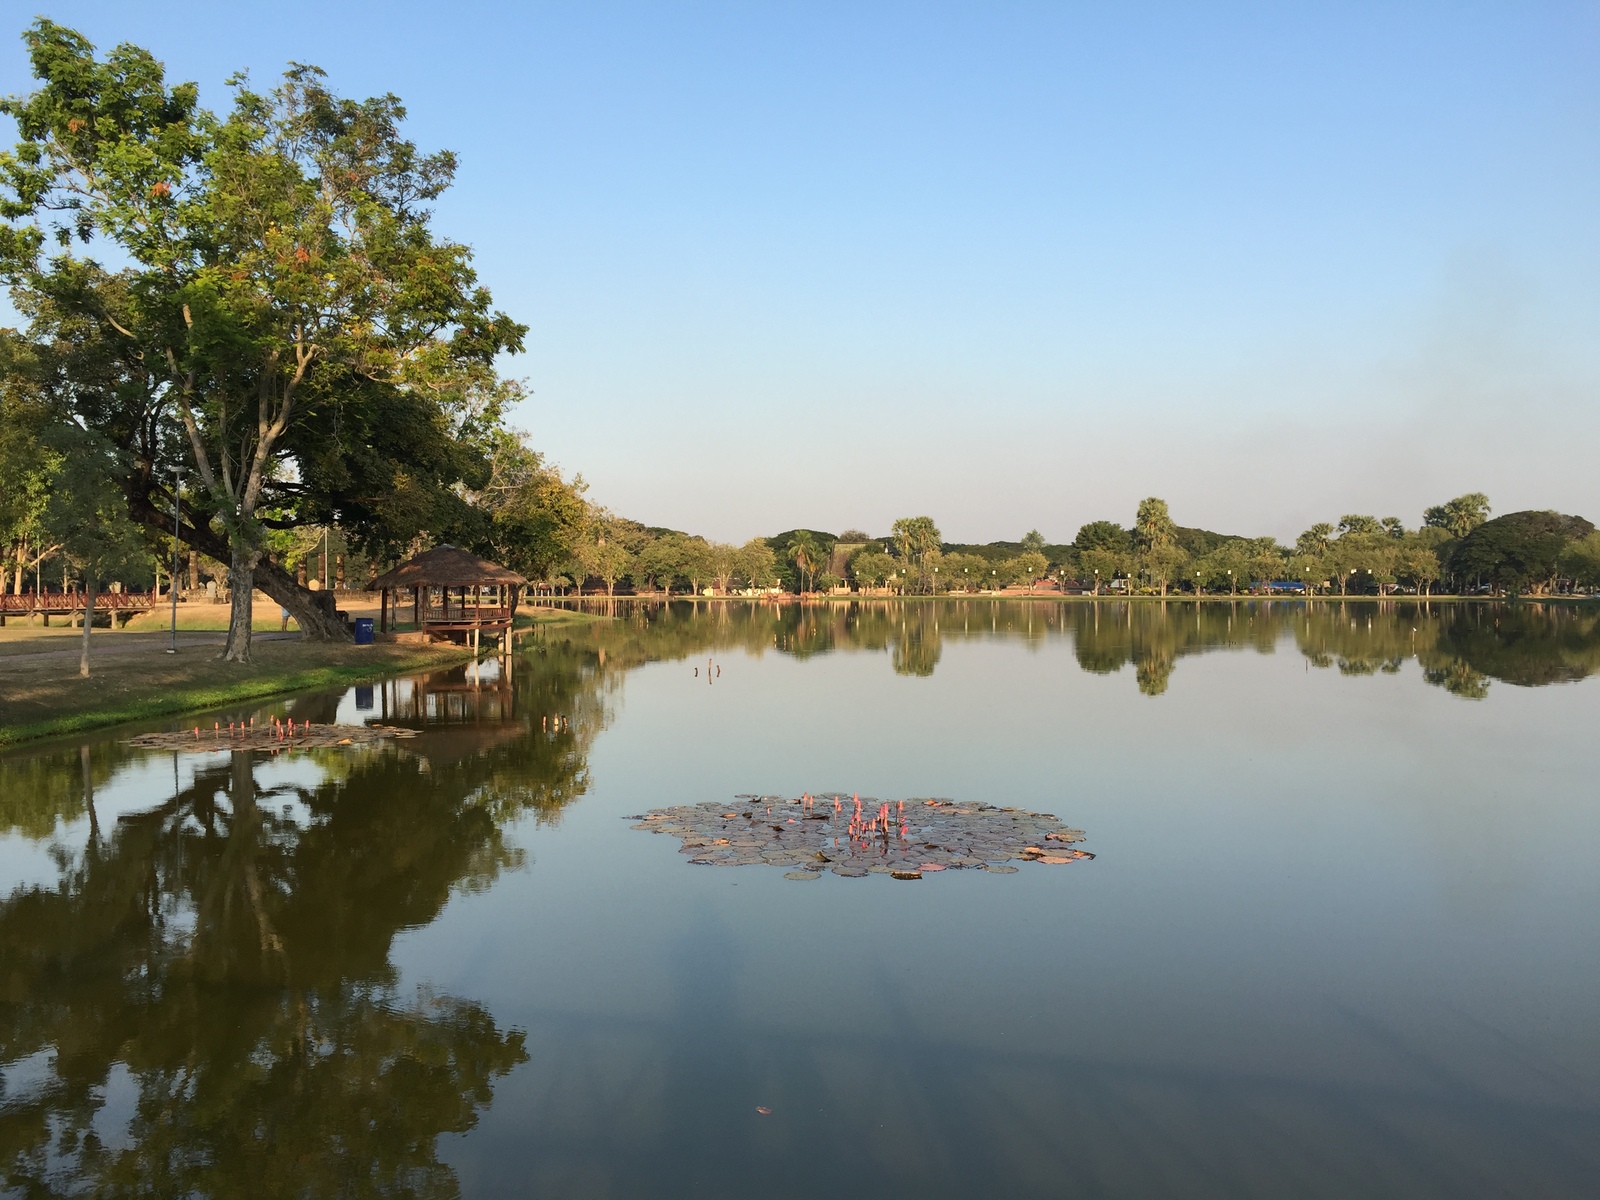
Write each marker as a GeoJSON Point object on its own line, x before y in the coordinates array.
{"type": "Point", "coordinates": [916, 538]}
{"type": "Point", "coordinates": [808, 556]}
{"type": "Point", "coordinates": [1152, 525]}
{"type": "Point", "coordinates": [1156, 539]}
{"type": "Point", "coordinates": [1360, 525]}
{"type": "Point", "coordinates": [1459, 516]}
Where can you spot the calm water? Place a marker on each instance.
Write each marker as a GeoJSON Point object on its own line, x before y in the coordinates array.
{"type": "Point", "coordinates": [1342, 936]}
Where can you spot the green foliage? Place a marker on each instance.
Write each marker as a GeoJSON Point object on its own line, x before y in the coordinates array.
{"type": "Point", "coordinates": [1460, 516]}
{"type": "Point", "coordinates": [1103, 535]}
{"type": "Point", "coordinates": [537, 519]}
{"type": "Point", "coordinates": [789, 574]}
{"type": "Point", "coordinates": [757, 564]}
{"type": "Point", "coordinates": [965, 572]}
{"type": "Point", "coordinates": [85, 515]}
{"type": "Point", "coordinates": [1521, 551]}
{"type": "Point", "coordinates": [282, 280]}
{"type": "Point", "coordinates": [1153, 525]}
{"type": "Point", "coordinates": [1162, 562]}
{"type": "Point", "coordinates": [1099, 565]}
{"type": "Point", "coordinates": [871, 568]}
{"type": "Point", "coordinates": [915, 538]}
{"type": "Point", "coordinates": [662, 559]}
{"type": "Point", "coordinates": [603, 555]}
{"type": "Point", "coordinates": [808, 555]}
{"type": "Point", "coordinates": [1580, 561]}
{"type": "Point", "coordinates": [1030, 568]}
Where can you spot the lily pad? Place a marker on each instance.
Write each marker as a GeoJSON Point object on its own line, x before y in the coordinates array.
{"type": "Point", "coordinates": [854, 836]}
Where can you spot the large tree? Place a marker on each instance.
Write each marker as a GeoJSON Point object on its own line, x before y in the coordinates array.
{"type": "Point", "coordinates": [278, 282]}
{"type": "Point", "coordinates": [1521, 551]}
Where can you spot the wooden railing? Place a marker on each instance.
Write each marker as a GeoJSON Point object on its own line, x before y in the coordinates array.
{"type": "Point", "coordinates": [466, 617]}
{"type": "Point", "coordinates": [53, 603]}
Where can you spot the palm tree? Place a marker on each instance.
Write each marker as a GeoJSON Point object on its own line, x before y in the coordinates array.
{"type": "Point", "coordinates": [806, 554]}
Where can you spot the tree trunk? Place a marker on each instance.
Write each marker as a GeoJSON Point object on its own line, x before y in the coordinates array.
{"type": "Point", "coordinates": [241, 580]}
{"type": "Point", "coordinates": [87, 767]}
{"type": "Point", "coordinates": [88, 622]}
{"type": "Point", "coordinates": [194, 571]}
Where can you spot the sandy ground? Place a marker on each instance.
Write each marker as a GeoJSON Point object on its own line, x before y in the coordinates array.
{"type": "Point", "coordinates": [267, 615]}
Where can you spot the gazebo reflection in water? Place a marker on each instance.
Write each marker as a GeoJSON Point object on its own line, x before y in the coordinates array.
{"type": "Point", "coordinates": [474, 699]}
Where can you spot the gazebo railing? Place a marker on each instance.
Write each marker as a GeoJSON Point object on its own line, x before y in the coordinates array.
{"type": "Point", "coordinates": [488, 614]}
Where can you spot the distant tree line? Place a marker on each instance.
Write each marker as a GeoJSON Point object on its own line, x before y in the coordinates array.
{"type": "Point", "coordinates": [1456, 548]}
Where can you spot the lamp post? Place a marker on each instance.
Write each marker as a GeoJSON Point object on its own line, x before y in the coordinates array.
{"type": "Point", "coordinates": [177, 524]}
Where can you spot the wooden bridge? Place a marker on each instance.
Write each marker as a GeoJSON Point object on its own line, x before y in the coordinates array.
{"type": "Point", "coordinates": [71, 605]}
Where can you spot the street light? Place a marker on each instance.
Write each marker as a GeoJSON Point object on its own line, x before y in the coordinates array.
{"type": "Point", "coordinates": [177, 524]}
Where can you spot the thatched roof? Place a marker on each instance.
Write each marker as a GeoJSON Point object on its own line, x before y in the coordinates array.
{"type": "Point", "coordinates": [445, 566]}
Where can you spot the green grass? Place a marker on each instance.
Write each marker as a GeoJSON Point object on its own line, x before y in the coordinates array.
{"type": "Point", "coordinates": [135, 688]}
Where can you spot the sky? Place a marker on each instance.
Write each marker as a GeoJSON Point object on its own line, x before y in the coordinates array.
{"type": "Point", "coordinates": [1009, 265]}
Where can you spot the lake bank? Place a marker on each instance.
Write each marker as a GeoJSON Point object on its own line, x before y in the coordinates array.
{"type": "Point", "coordinates": [134, 678]}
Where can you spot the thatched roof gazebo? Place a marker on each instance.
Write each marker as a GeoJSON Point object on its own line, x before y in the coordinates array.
{"type": "Point", "coordinates": [486, 593]}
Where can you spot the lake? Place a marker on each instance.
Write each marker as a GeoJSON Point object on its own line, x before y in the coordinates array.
{"type": "Point", "coordinates": [1340, 934]}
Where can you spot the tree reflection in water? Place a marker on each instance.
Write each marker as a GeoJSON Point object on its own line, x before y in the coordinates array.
{"type": "Point", "coordinates": [204, 1004]}
{"type": "Point", "coordinates": [1460, 646]}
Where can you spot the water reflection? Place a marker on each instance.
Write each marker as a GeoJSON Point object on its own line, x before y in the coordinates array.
{"type": "Point", "coordinates": [1460, 647]}
{"type": "Point", "coordinates": [204, 996]}
{"type": "Point", "coordinates": [203, 992]}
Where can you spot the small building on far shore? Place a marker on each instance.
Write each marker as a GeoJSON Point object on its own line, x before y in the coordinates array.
{"type": "Point", "coordinates": [454, 595]}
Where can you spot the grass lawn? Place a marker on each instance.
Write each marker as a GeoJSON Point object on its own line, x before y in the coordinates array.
{"type": "Point", "coordinates": [134, 678]}
{"type": "Point", "coordinates": [41, 694]}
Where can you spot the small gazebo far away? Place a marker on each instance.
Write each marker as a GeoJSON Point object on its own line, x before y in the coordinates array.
{"type": "Point", "coordinates": [454, 595]}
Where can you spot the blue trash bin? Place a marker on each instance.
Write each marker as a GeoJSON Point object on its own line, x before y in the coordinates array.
{"type": "Point", "coordinates": [363, 631]}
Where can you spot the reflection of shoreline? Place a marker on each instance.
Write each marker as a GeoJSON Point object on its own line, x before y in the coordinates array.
{"type": "Point", "coordinates": [227, 950]}
{"type": "Point", "coordinates": [1460, 644]}
{"type": "Point", "coordinates": [227, 946]}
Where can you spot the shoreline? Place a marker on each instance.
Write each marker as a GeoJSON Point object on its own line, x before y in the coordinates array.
{"type": "Point", "coordinates": [140, 682]}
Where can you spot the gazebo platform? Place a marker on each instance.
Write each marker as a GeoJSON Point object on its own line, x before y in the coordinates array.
{"type": "Point", "coordinates": [455, 596]}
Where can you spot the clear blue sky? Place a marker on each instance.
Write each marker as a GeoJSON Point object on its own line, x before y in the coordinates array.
{"type": "Point", "coordinates": [1009, 265]}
